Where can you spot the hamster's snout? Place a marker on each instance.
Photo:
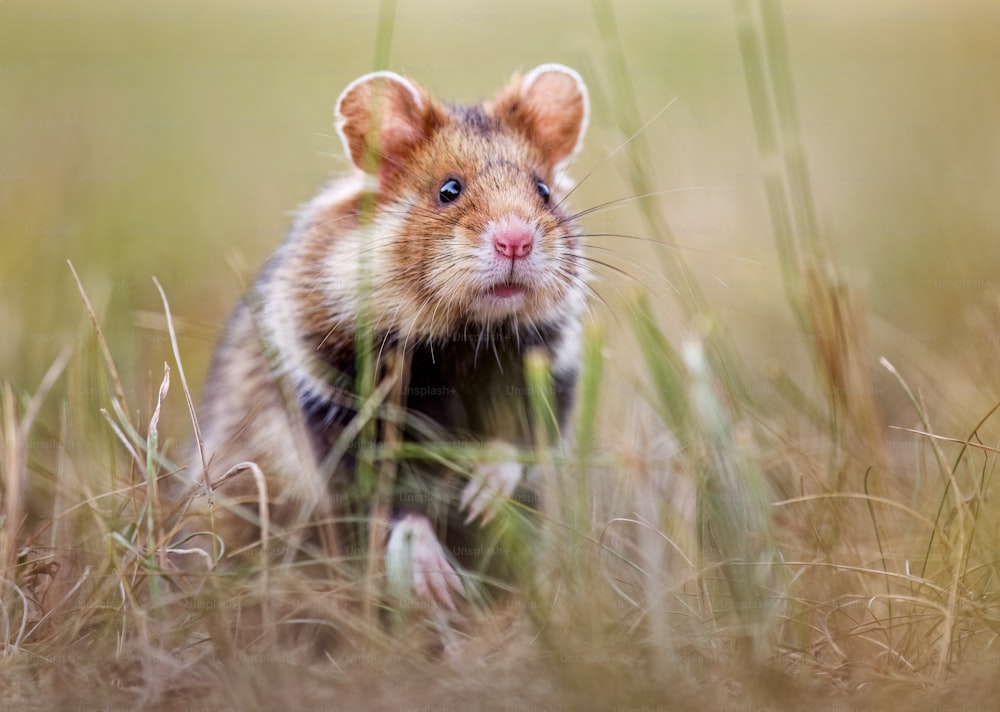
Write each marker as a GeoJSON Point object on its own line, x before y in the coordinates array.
{"type": "Point", "coordinates": [514, 241]}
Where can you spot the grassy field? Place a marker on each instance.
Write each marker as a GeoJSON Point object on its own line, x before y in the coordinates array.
{"type": "Point", "coordinates": [780, 496]}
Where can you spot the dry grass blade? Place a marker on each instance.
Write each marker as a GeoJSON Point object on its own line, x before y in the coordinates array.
{"type": "Point", "coordinates": [944, 438]}
{"type": "Point", "coordinates": [184, 383]}
{"type": "Point", "coordinates": [116, 380]}
{"type": "Point", "coordinates": [153, 538]}
{"type": "Point", "coordinates": [69, 594]}
{"type": "Point", "coordinates": [958, 563]}
{"type": "Point", "coordinates": [10, 647]}
{"type": "Point", "coordinates": [931, 524]}
{"type": "Point", "coordinates": [397, 365]}
{"type": "Point", "coordinates": [13, 478]}
{"type": "Point", "coordinates": [835, 318]}
{"type": "Point", "coordinates": [14, 461]}
{"type": "Point", "coordinates": [642, 523]}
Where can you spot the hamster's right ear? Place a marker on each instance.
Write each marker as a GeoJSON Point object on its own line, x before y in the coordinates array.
{"type": "Point", "coordinates": [381, 117]}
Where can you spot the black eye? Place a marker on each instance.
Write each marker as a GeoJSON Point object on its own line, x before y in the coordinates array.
{"type": "Point", "coordinates": [543, 190]}
{"type": "Point", "coordinates": [450, 190]}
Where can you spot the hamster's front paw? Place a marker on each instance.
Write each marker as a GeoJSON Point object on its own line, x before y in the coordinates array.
{"type": "Point", "coordinates": [417, 563]}
{"type": "Point", "coordinates": [490, 485]}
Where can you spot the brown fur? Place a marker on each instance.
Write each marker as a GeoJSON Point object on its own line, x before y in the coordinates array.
{"type": "Point", "coordinates": [281, 387]}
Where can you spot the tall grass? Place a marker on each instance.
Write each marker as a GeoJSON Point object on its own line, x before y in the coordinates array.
{"type": "Point", "coordinates": [728, 546]}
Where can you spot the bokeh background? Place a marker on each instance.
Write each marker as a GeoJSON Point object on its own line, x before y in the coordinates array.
{"type": "Point", "coordinates": [174, 139]}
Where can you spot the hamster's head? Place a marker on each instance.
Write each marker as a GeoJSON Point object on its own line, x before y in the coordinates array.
{"type": "Point", "coordinates": [467, 224]}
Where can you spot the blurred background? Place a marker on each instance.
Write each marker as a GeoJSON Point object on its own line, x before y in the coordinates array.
{"type": "Point", "coordinates": [174, 139]}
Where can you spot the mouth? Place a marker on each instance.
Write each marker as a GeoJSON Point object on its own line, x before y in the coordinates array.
{"type": "Point", "coordinates": [506, 290]}
{"type": "Point", "coordinates": [501, 299]}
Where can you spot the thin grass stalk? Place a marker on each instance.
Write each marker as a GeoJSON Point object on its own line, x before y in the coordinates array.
{"type": "Point", "coordinates": [14, 462]}
{"type": "Point", "coordinates": [734, 506]}
{"type": "Point", "coordinates": [786, 110]}
{"type": "Point", "coordinates": [949, 479]}
{"type": "Point", "coordinates": [624, 107]}
{"type": "Point", "coordinates": [772, 106]}
{"type": "Point", "coordinates": [666, 370]}
{"type": "Point", "coordinates": [184, 384]}
{"type": "Point", "coordinates": [365, 376]}
{"type": "Point", "coordinates": [956, 589]}
{"type": "Point", "coordinates": [13, 478]}
{"type": "Point", "coordinates": [813, 300]}
{"type": "Point", "coordinates": [775, 164]}
{"type": "Point", "coordinates": [381, 508]}
{"type": "Point", "coordinates": [116, 380]}
{"type": "Point", "coordinates": [62, 476]}
{"type": "Point", "coordinates": [585, 432]}
{"type": "Point", "coordinates": [152, 500]}
{"type": "Point", "coordinates": [12, 647]}
{"type": "Point", "coordinates": [541, 399]}
{"type": "Point", "coordinates": [881, 549]}
{"type": "Point", "coordinates": [588, 395]}
{"type": "Point", "coordinates": [958, 459]}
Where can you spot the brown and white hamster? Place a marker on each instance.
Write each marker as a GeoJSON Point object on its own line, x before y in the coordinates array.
{"type": "Point", "coordinates": [451, 235]}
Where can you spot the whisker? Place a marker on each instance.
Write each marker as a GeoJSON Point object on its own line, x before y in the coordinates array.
{"type": "Point", "coordinates": [614, 151]}
{"type": "Point", "coordinates": [413, 325]}
{"type": "Point", "coordinates": [381, 348]}
{"type": "Point", "coordinates": [493, 343]}
{"type": "Point", "coordinates": [632, 277]}
{"type": "Point", "coordinates": [653, 242]}
{"type": "Point", "coordinates": [623, 201]}
{"type": "Point", "coordinates": [631, 260]}
{"type": "Point", "coordinates": [479, 343]}
{"type": "Point", "coordinates": [584, 285]}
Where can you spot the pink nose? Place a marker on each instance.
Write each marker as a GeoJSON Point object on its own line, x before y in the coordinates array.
{"type": "Point", "coordinates": [514, 242]}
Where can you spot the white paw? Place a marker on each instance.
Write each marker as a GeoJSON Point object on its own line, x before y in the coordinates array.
{"type": "Point", "coordinates": [490, 485]}
{"type": "Point", "coordinates": [417, 563]}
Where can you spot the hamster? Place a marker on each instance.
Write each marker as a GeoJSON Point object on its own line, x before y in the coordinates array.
{"type": "Point", "coordinates": [452, 236]}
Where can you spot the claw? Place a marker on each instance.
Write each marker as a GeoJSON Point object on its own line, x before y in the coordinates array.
{"type": "Point", "coordinates": [492, 483]}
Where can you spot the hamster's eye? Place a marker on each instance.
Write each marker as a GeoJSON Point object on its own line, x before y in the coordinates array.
{"type": "Point", "coordinates": [449, 191]}
{"type": "Point", "coordinates": [543, 190]}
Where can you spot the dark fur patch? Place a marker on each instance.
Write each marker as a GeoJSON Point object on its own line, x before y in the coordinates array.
{"type": "Point", "coordinates": [471, 386]}
{"type": "Point", "coordinates": [474, 118]}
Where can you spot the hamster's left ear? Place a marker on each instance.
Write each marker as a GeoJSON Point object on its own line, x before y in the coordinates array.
{"type": "Point", "coordinates": [549, 105]}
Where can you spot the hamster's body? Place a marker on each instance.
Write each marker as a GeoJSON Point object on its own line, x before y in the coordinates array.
{"type": "Point", "coordinates": [452, 238]}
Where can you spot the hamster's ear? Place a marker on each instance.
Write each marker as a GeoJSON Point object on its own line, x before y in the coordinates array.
{"type": "Point", "coordinates": [381, 117]}
{"type": "Point", "coordinates": [550, 106]}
